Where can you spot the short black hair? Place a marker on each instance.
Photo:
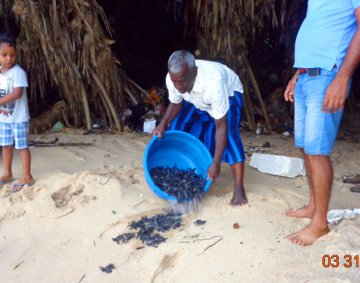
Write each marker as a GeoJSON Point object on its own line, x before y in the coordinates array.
{"type": "Point", "coordinates": [7, 38]}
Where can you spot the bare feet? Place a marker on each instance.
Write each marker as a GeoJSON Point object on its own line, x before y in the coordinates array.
{"type": "Point", "coordinates": [308, 235]}
{"type": "Point", "coordinates": [239, 197]}
{"type": "Point", "coordinates": [303, 212]}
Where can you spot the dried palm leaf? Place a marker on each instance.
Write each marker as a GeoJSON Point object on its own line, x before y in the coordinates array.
{"type": "Point", "coordinates": [72, 55]}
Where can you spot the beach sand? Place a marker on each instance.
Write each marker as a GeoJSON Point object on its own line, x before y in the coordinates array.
{"type": "Point", "coordinates": [61, 229]}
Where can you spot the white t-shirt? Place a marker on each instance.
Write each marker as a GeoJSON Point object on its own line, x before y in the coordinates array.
{"type": "Point", "coordinates": [16, 111]}
{"type": "Point", "coordinates": [213, 86]}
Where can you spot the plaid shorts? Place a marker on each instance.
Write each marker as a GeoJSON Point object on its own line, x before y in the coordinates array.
{"type": "Point", "coordinates": [14, 133]}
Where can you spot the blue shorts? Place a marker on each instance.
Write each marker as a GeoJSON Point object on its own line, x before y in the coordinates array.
{"type": "Point", "coordinates": [315, 130]}
{"type": "Point", "coordinates": [14, 133]}
{"type": "Point", "coordinates": [201, 125]}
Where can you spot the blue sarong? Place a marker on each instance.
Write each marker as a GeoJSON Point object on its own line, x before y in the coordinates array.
{"type": "Point", "coordinates": [201, 125]}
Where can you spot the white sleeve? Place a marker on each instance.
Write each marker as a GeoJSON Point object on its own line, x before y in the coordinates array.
{"type": "Point", "coordinates": [174, 96]}
{"type": "Point", "coordinates": [20, 78]}
{"type": "Point", "coordinates": [220, 100]}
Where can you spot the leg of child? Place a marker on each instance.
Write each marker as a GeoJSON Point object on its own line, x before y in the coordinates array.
{"type": "Point", "coordinates": [26, 164]}
{"type": "Point", "coordinates": [7, 154]}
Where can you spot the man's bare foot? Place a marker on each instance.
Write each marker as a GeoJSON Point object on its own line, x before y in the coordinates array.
{"type": "Point", "coordinates": [303, 212]}
{"type": "Point", "coordinates": [239, 197]}
{"type": "Point", "coordinates": [308, 235]}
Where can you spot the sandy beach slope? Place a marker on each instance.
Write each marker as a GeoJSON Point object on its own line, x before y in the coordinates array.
{"type": "Point", "coordinates": [61, 229]}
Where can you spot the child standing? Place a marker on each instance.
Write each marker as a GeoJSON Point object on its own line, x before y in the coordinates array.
{"type": "Point", "coordinates": [14, 114]}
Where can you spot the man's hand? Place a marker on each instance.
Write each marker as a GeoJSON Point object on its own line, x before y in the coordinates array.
{"type": "Point", "coordinates": [335, 95]}
{"type": "Point", "coordinates": [214, 171]}
{"type": "Point", "coordinates": [290, 89]}
{"type": "Point", "coordinates": [171, 112]}
{"type": "Point", "coordinates": [337, 91]}
{"type": "Point", "coordinates": [159, 130]}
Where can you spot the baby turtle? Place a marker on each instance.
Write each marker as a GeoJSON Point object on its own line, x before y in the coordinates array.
{"type": "Point", "coordinates": [107, 269]}
{"type": "Point", "coordinates": [199, 222]}
{"type": "Point", "coordinates": [124, 238]}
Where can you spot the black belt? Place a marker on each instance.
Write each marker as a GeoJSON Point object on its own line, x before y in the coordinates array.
{"type": "Point", "coordinates": [312, 72]}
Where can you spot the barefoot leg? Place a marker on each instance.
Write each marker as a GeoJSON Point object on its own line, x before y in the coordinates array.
{"type": "Point", "coordinates": [26, 165]}
{"type": "Point", "coordinates": [7, 155]}
{"type": "Point", "coordinates": [322, 173]}
{"type": "Point", "coordinates": [306, 211]}
{"type": "Point", "coordinates": [239, 196]}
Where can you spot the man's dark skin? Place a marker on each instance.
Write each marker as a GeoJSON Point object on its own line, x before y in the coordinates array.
{"type": "Point", "coordinates": [184, 82]}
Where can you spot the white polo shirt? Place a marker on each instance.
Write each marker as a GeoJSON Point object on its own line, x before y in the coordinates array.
{"type": "Point", "coordinates": [213, 86]}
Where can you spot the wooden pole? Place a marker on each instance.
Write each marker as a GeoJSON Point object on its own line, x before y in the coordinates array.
{"type": "Point", "coordinates": [256, 90]}
{"type": "Point", "coordinates": [107, 98]}
{"type": "Point", "coordinates": [86, 106]}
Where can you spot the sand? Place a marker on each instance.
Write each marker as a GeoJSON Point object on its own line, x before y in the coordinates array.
{"type": "Point", "coordinates": [61, 229]}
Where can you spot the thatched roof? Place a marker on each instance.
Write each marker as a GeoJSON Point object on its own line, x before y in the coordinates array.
{"type": "Point", "coordinates": [230, 29]}
{"type": "Point", "coordinates": [67, 44]}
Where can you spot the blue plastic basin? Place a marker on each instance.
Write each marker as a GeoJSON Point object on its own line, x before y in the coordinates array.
{"type": "Point", "coordinates": [180, 149]}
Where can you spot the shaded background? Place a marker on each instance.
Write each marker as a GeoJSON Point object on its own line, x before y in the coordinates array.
{"type": "Point", "coordinates": [147, 32]}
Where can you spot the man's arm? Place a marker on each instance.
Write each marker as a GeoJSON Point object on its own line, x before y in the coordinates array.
{"type": "Point", "coordinates": [337, 90]}
{"type": "Point", "coordinates": [220, 143]}
{"type": "Point", "coordinates": [171, 112]}
{"type": "Point", "coordinates": [14, 95]}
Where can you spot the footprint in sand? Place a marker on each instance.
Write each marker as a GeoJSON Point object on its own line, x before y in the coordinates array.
{"type": "Point", "coordinates": [9, 215]}
{"type": "Point", "coordinates": [129, 175]}
{"type": "Point", "coordinates": [275, 201]}
{"type": "Point", "coordinates": [167, 263]}
{"type": "Point", "coordinates": [134, 181]}
{"type": "Point", "coordinates": [31, 192]}
{"type": "Point", "coordinates": [64, 195]}
{"type": "Point", "coordinates": [26, 193]}
{"type": "Point", "coordinates": [79, 154]}
{"type": "Point", "coordinates": [122, 173]}
{"type": "Point", "coordinates": [290, 192]}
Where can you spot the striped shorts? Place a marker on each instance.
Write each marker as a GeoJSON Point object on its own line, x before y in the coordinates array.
{"type": "Point", "coordinates": [14, 133]}
{"type": "Point", "coordinates": [201, 125]}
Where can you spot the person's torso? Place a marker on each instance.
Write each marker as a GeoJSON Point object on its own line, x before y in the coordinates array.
{"type": "Point", "coordinates": [213, 80]}
{"type": "Point", "coordinates": [325, 34]}
{"type": "Point", "coordinates": [15, 111]}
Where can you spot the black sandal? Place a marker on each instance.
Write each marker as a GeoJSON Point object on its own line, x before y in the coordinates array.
{"type": "Point", "coordinates": [355, 189]}
{"type": "Point", "coordinates": [352, 179]}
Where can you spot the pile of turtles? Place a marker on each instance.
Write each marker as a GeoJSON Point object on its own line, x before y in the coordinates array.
{"type": "Point", "coordinates": [147, 229]}
{"type": "Point", "coordinates": [184, 185]}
